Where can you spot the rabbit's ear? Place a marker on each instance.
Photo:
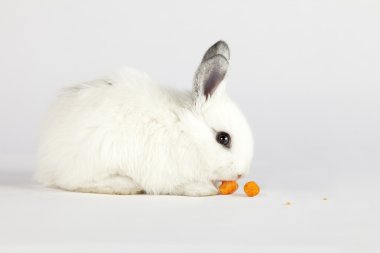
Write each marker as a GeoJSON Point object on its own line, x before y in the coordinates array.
{"type": "Point", "coordinates": [212, 71]}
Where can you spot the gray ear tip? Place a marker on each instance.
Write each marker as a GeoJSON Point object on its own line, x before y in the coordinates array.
{"type": "Point", "coordinates": [221, 43]}
{"type": "Point", "coordinates": [219, 48]}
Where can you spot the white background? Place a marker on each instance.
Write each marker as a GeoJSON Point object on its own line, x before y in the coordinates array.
{"type": "Point", "coordinates": [306, 74]}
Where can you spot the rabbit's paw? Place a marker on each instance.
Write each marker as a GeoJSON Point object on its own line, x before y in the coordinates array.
{"type": "Point", "coordinates": [197, 189]}
{"type": "Point", "coordinates": [113, 184]}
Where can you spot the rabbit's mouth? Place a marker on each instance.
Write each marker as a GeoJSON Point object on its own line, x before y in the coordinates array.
{"type": "Point", "coordinates": [232, 178]}
{"type": "Point", "coordinates": [217, 183]}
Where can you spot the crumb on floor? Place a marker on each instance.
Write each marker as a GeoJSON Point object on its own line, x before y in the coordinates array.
{"type": "Point", "coordinates": [288, 203]}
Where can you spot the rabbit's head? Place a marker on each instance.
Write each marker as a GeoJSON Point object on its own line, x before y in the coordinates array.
{"type": "Point", "coordinates": [224, 135]}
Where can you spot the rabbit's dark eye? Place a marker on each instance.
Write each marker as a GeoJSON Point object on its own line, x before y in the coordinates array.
{"type": "Point", "coordinates": [224, 139]}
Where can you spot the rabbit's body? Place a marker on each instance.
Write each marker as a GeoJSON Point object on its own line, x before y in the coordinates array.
{"type": "Point", "coordinates": [125, 134]}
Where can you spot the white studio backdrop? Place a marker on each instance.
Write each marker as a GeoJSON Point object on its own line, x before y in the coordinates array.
{"type": "Point", "coordinates": [306, 73]}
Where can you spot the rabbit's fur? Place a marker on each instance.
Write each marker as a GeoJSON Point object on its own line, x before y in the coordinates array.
{"type": "Point", "coordinates": [125, 134]}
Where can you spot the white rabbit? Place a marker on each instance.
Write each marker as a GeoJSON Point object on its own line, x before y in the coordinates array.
{"type": "Point", "coordinates": [125, 134]}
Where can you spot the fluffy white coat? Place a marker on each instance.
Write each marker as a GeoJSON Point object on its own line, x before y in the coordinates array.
{"type": "Point", "coordinates": [125, 134]}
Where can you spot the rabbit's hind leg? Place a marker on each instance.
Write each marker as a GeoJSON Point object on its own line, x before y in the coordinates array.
{"type": "Point", "coordinates": [113, 184]}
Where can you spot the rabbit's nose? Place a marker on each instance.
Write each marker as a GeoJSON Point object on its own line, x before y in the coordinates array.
{"type": "Point", "coordinates": [239, 176]}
